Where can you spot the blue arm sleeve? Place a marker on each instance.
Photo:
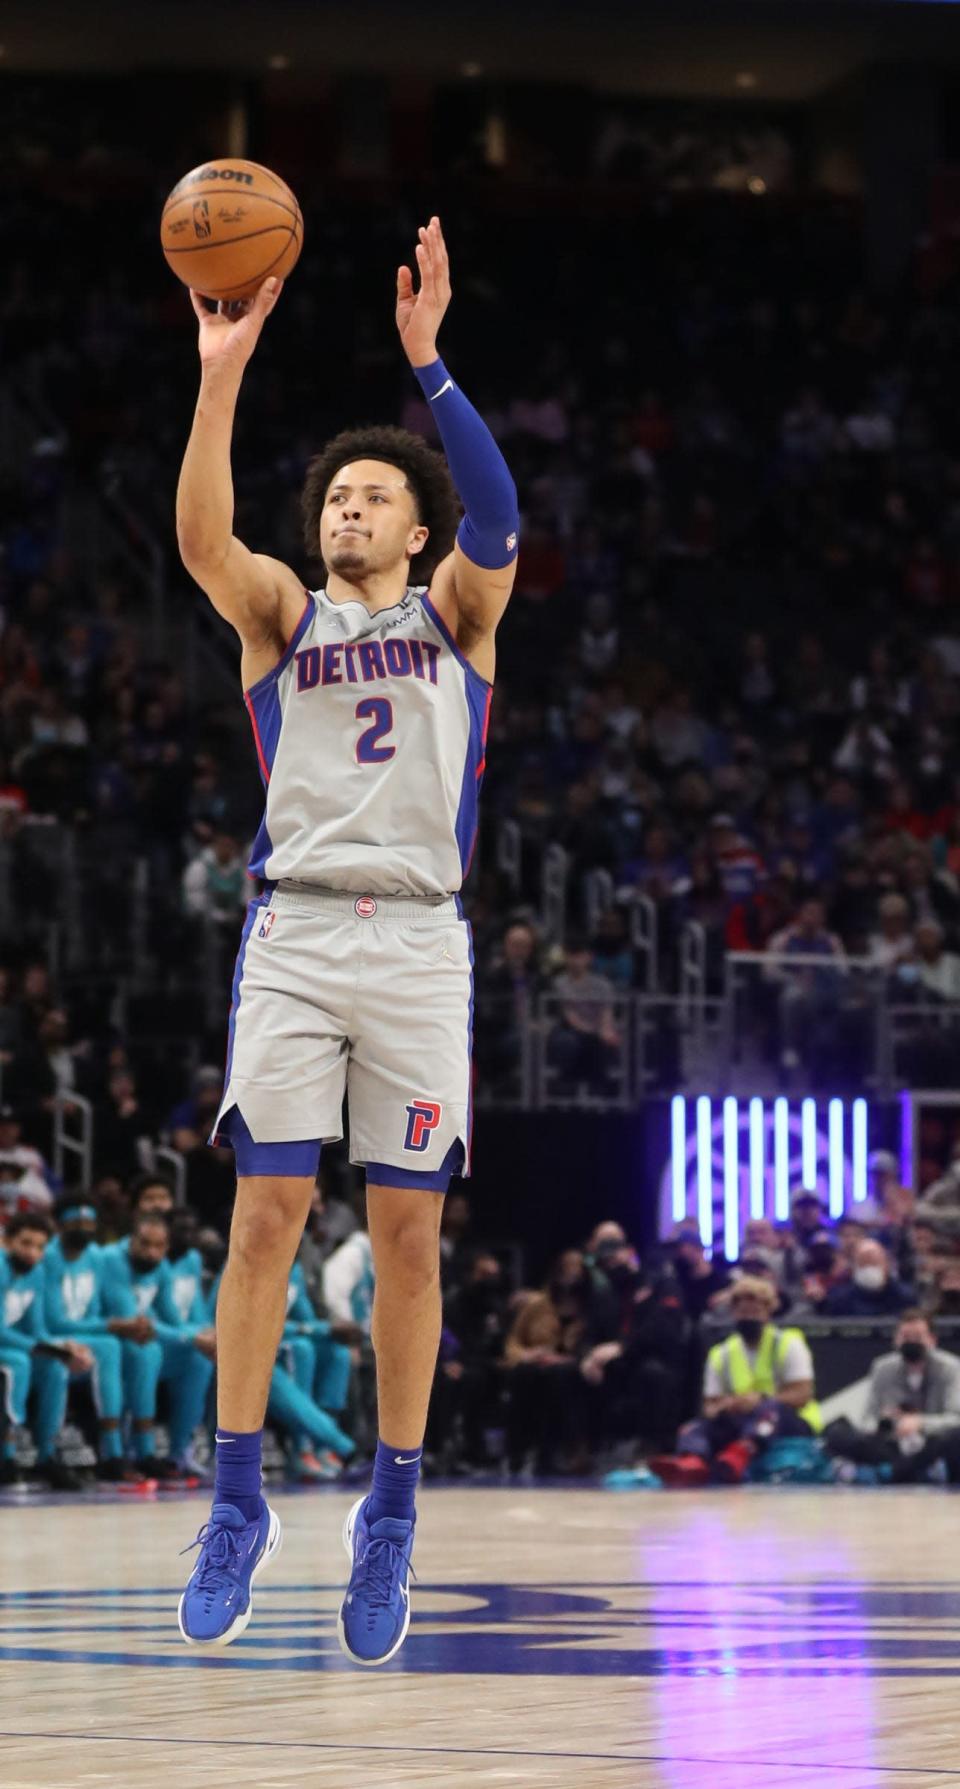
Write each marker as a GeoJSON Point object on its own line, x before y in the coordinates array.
{"type": "Point", "coordinates": [490, 528]}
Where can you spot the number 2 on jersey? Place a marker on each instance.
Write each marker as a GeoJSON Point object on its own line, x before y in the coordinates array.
{"type": "Point", "coordinates": [379, 712]}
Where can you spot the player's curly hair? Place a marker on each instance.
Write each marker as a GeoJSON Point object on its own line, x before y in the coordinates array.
{"type": "Point", "coordinates": [424, 469]}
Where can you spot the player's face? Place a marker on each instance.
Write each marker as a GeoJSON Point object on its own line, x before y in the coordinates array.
{"type": "Point", "coordinates": [26, 1249]}
{"type": "Point", "coordinates": [369, 522]}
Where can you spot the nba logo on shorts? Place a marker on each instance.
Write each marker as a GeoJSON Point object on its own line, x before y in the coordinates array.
{"type": "Point", "coordinates": [266, 925]}
{"type": "Point", "coordinates": [423, 1116]}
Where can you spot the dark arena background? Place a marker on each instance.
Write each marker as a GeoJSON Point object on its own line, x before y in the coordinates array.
{"type": "Point", "coordinates": [706, 272]}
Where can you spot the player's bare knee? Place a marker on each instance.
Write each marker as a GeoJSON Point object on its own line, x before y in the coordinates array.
{"type": "Point", "coordinates": [267, 1228]}
{"type": "Point", "coordinates": [413, 1254]}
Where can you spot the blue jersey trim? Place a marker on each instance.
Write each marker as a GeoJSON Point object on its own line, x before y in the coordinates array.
{"type": "Point", "coordinates": [309, 610]}
{"type": "Point", "coordinates": [255, 908]}
{"type": "Point", "coordinates": [444, 631]}
{"type": "Point", "coordinates": [434, 1180]}
{"type": "Point", "coordinates": [478, 703]}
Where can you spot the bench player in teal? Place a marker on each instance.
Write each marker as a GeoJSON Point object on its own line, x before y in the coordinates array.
{"type": "Point", "coordinates": [369, 701]}
{"type": "Point", "coordinates": [33, 1364]}
{"type": "Point", "coordinates": [73, 1308]}
{"type": "Point", "coordinates": [319, 1364]}
{"type": "Point", "coordinates": [137, 1283]}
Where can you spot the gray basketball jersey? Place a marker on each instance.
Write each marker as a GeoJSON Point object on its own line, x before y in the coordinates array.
{"type": "Point", "coordinates": [370, 734]}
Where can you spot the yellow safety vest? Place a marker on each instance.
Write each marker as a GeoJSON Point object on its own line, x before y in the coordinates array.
{"type": "Point", "coordinates": [731, 1364]}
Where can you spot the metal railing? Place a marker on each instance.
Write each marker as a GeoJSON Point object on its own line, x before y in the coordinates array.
{"type": "Point", "coordinates": [73, 1137]}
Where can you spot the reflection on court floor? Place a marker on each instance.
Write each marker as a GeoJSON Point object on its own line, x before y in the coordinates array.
{"type": "Point", "coordinates": [737, 1640]}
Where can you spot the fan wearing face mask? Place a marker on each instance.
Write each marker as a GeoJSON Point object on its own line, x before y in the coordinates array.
{"type": "Point", "coordinates": [758, 1386]}
{"type": "Point", "coordinates": [873, 1289]}
{"type": "Point", "coordinates": [911, 1417]}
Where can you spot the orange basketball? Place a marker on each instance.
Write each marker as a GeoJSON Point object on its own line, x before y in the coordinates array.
{"type": "Point", "coordinates": [229, 225]}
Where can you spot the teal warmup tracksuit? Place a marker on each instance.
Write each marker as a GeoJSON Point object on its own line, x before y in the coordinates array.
{"type": "Point", "coordinates": [73, 1306]}
{"type": "Point", "coordinates": [171, 1355]}
{"type": "Point", "coordinates": [323, 1366]}
{"type": "Point", "coordinates": [289, 1402]}
{"type": "Point", "coordinates": [186, 1289]}
{"type": "Point", "coordinates": [22, 1370]}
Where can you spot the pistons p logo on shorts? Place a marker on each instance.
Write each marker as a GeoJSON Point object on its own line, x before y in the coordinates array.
{"type": "Point", "coordinates": [266, 925]}
{"type": "Point", "coordinates": [423, 1116]}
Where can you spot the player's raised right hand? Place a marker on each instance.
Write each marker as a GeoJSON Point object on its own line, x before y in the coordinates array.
{"type": "Point", "coordinates": [229, 335]}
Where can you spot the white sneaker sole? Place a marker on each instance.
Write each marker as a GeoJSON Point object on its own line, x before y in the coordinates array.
{"type": "Point", "coordinates": [241, 1621]}
{"type": "Point", "coordinates": [368, 1664]}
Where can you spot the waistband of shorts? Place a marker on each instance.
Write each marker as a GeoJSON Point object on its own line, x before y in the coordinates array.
{"type": "Point", "coordinates": [364, 906]}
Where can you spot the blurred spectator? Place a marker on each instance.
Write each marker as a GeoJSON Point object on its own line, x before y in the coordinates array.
{"type": "Point", "coordinates": [123, 1126]}
{"type": "Point", "coordinates": [758, 1386]}
{"type": "Point", "coordinates": [348, 1280]}
{"type": "Point", "coordinates": [809, 995]}
{"type": "Point", "coordinates": [464, 1409]}
{"type": "Point", "coordinates": [911, 1416]}
{"type": "Point", "coordinates": [508, 986]}
{"type": "Point", "coordinates": [545, 1394]}
{"type": "Point", "coordinates": [942, 1195]}
{"type": "Point", "coordinates": [26, 1180]}
{"type": "Point", "coordinates": [585, 1042]}
{"type": "Point", "coordinates": [700, 1281]}
{"type": "Point", "coordinates": [893, 943]}
{"type": "Point", "coordinates": [638, 1375]}
{"type": "Point", "coordinates": [215, 884]}
{"type": "Point", "coordinates": [873, 1289]}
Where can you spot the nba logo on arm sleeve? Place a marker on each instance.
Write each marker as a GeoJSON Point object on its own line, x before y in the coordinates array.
{"type": "Point", "coordinates": [423, 1116]}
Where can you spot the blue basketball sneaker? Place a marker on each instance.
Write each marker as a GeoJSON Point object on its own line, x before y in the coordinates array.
{"type": "Point", "coordinates": [217, 1605]}
{"type": "Point", "coordinates": [375, 1613]}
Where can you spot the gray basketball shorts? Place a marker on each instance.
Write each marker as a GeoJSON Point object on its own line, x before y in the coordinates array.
{"type": "Point", "coordinates": [366, 996]}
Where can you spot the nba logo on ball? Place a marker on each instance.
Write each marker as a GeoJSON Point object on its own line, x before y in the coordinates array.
{"type": "Point", "coordinates": [365, 907]}
{"type": "Point", "coordinates": [266, 925]}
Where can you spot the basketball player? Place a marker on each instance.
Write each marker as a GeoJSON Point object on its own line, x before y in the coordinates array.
{"type": "Point", "coordinates": [369, 702]}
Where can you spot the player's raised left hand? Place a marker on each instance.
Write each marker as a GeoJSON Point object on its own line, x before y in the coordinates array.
{"type": "Point", "coordinates": [420, 314]}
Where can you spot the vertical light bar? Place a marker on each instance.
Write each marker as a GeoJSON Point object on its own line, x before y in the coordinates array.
{"type": "Point", "coordinates": [907, 1176]}
{"type": "Point", "coordinates": [757, 1153]}
{"type": "Point", "coordinates": [678, 1156]}
{"type": "Point", "coordinates": [705, 1169]}
{"type": "Point", "coordinates": [808, 1139]}
{"type": "Point", "coordinates": [859, 1149]}
{"type": "Point", "coordinates": [781, 1160]}
{"type": "Point", "coordinates": [731, 1178]}
{"type": "Point", "coordinates": [835, 1139]}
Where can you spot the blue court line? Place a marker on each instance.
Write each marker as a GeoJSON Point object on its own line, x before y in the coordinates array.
{"type": "Point", "coordinates": [327, 1745]}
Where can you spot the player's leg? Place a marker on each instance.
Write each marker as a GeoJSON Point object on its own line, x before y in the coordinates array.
{"type": "Point", "coordinates": [334, 1366]}
{"type": "Point", "coordinates": [15, 1375]}
{"type": "Point", "coordinates": [291, 1405]}
{"type": "Point", "coordinates": [106, 1383]}
{"type": "Point", "coordinates": [51, 1380]}
{"type": "Point", "coordinates": [405, 1237]}
{"type": "Point", "coordinates": [408, 1087]}
{"type": "Point", "coordinates": [243, 1533]}
{"type": "Point", "coordinates": [287, 1058]}
{"type": "Point", "coordinates": [142, 1362]}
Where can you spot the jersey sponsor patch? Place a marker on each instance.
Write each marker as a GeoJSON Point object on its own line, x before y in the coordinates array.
{"type": "Point", "coordinates": [423, 1116]}
{"type": "Point", "coordinates": [266, 925]}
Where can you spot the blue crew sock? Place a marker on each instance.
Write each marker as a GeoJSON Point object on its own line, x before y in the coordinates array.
{"type": "Point", "coordinates": [395, 1474]}
{"type": "Point", "coordinates": [238, 1477]}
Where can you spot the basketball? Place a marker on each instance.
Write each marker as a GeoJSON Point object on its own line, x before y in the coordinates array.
{"type": "Point", "coordinates": [229, 225]}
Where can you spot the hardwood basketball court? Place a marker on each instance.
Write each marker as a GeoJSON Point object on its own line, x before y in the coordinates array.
{"type": "Point", "coordinates": [749, 1639]}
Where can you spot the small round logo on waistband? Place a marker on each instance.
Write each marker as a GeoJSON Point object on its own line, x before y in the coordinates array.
{"type": "Point", "coordinates": [366, 907]}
